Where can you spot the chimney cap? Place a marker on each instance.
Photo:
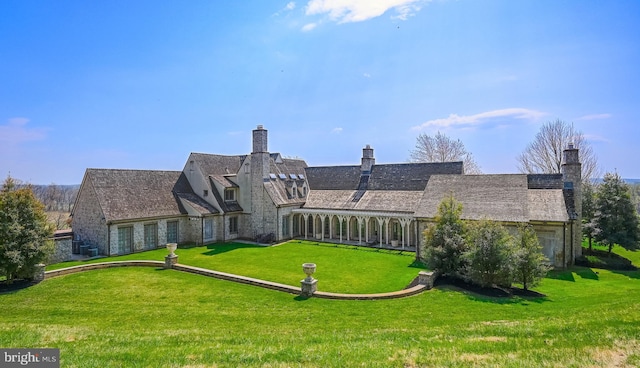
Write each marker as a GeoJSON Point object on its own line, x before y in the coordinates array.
{"type": "Point", "coordinates": [368, 146]}
{"type": "Point", "coordinates": [260, 127]}
{"type": "Point", "coordinates": [571, 146]}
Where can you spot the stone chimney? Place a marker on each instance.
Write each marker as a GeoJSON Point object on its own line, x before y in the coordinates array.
{"type": "Point", "coordinates": [572, 177]}
{"type": "Point", "coordinates": [259, 174]}
{"type": "Point", "coordinates": [260, 140]}
{"type": "Point", "coordinates": [367, 159]}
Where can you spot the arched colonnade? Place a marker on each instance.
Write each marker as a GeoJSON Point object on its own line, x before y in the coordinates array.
{"type": "Point", "coordinates": [371, 228]}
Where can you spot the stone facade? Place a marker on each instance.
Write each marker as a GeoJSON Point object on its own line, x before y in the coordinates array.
{"type": "Point", "coordinates": [62, 249]}
{"type": "Point", "coordinates": [88, 221]}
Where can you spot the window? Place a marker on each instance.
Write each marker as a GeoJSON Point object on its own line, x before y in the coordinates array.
{"type": "Point", "coordinates": [233, 225]}
{"type": "Point", "coordinates": [205, 192]}
{"type": "Point", "coordinates": [125, 240]}
{"type": "Point", "coordinates": [150, 236]}
{"type": "Point", "coordinates": [172, 231]}
{"type": "Point", "coordinates": [285, 225]}
{"type": "Point", "coordinates": [294, 191]}
{"type": "Point", "coordinates": [208, 228]}
{"type": "Point", "coordinates": [304, 191]}
{"type": "Point", "coordinates": [229, 195]}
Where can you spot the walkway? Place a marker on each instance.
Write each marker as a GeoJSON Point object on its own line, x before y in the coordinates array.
{"type": "Point", "coordinates": [241, 279]}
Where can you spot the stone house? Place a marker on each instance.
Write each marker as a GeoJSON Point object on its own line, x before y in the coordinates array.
{"type": "Point", "coordinates": [263, 196]}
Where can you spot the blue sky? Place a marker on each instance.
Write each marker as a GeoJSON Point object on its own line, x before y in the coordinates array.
{"type": "Point", "coordinates": [140, 85]}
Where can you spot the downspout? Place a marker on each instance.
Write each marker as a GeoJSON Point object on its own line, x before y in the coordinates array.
{"type": "Point", "coordinates": [224, 227]}
{"type": "Point", "coordinates": [201, 230]}
{"type": "Point", "coordinates": [564, 245]}
{"type": "Point", "coordinates": [108, 239]}
{"type": "Point", "coordinates": [572, 240]}
{"type": "Point", "coordinates": [277, 222]}
{"type": "Point", "coordinates": [417, 239]}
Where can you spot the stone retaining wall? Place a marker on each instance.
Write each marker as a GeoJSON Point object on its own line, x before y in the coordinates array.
{"type": "Point", "coordinates": [237, 278]}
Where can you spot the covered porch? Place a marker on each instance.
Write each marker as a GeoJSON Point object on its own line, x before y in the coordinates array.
{"type": "Point", "coordinates": [389, 230]}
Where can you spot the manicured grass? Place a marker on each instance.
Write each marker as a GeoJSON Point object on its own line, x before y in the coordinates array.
{"type": "Point", "coordinates": [340, 268]}
{"type": "Point", "coordinates": [145, 317]}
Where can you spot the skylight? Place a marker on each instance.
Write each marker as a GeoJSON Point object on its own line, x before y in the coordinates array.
{"type": "Point", "coordinates": [272, 176]}
{"type": "Point", "coordinates": [293, 176]}
{"type": "Point", "coordinates": [283, 176]}
{"type": "Point", "coordinates": [301, 176]}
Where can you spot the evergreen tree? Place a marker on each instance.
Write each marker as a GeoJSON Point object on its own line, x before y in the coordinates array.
{"type": "Point", "coordinates": [24, 232]}
{"type": "Point", "coordinates": [444, 242]}
{"type": "Point", "coordinates": [615, 217]}
{"type": "Point", "coordinates": [491, 255]}
{"type": "Point", "coordinates": [531, 265]}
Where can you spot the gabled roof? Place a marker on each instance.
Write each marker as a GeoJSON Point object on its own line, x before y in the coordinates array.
{"type": "Point", "coordinates": [333, 177]}
{"type": "Point", "coordinates": [217, 164]}
{"type": "Point", "coordinates": [497, 197]}
{"type": "Point", "coordinates": [372, 200]}
{"type": "Point", "coordinates": [137, 194]}
{"type": "Point", "coordinates": [409, 176]}
{"type": "Point", "coordinates": [279, 190]}
{"type": "Point", "coordinates": [398, 177]}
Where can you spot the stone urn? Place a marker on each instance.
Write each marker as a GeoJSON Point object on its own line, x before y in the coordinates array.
{"type": "Point", "coordinates": [309, 269]}
{"type": "Point", "coordinates": [171, 247]}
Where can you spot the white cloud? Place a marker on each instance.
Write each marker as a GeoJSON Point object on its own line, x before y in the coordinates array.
{"type": "Point", "coordinates": [287, 8]}
{"type": "Point", "coordinates": [366, 75]}
{"type": "Point", "coordinates": [596, 138]}
{"type": "Point", "coordinates": [345, 11]}
{"type": "Point", "coordinates": [481, 118]}
{"type": "Point", "coordinates": [336, 131]}
{"type": "Point", "coordinates": [309, 26]}
{"type": "Point", "coordinates": [16, 131]}
{"type": "Point", "coordinates": [594, 117]}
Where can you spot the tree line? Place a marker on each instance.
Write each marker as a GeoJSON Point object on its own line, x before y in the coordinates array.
{"type": "Point", "coordinates": [56, 197]}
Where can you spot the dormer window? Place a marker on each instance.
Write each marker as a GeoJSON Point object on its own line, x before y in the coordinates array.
{"type": "Point", "coordinates": [294, 191]}
{"type": "Point", "coordinates": [229, 195]}
{"type": "Point", "coordinates": [205, 193]}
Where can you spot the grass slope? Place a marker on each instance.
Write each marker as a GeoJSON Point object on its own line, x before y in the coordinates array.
{"type": "Point", "coordinates": [141, 317]}
{"type": "Point", "coordinates": [359, 269]}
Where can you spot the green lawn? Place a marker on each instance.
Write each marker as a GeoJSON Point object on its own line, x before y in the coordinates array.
{"type": "Point", "coordinates": [350, 270]}
{"type": "Point", "coordinates": [145, 317]}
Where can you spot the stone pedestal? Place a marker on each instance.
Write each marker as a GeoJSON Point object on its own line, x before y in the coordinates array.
{"type": "Point", "coordinates": [308, 286]}
{"type": "Point", "coordinates": [427, 278]}
{"type": "Point", "coordinates": [170, 260]}
{"type": "Point", "coordinates": [39, 275]}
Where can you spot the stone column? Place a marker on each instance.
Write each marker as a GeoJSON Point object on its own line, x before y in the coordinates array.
{"type": "Point", "coordinates": [39, 275]}
{"type": "Point", "coordinates": [170, 260]}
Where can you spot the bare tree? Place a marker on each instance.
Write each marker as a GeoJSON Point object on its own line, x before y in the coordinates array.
{"type": "Point", "coordinates": [440, 148]}
{"type": "Point", "coordinates": [544, 154]}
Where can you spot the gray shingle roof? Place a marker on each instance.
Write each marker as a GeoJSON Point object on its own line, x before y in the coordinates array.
{"type": "Point", "coordinates": [137, 194]}
{"type": "Point", "coordinates": [333, 177]}
{"type": "Point", "coordinates": [372, 200]}
{"type": "Point", "coordinates": [407, 176]}
{"type": "Point", "coordinates": [496, 197]}
{"type": "Point", "coordinates": [280, 190]}
{"type": "Point", "coordinates": [217, 164]}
